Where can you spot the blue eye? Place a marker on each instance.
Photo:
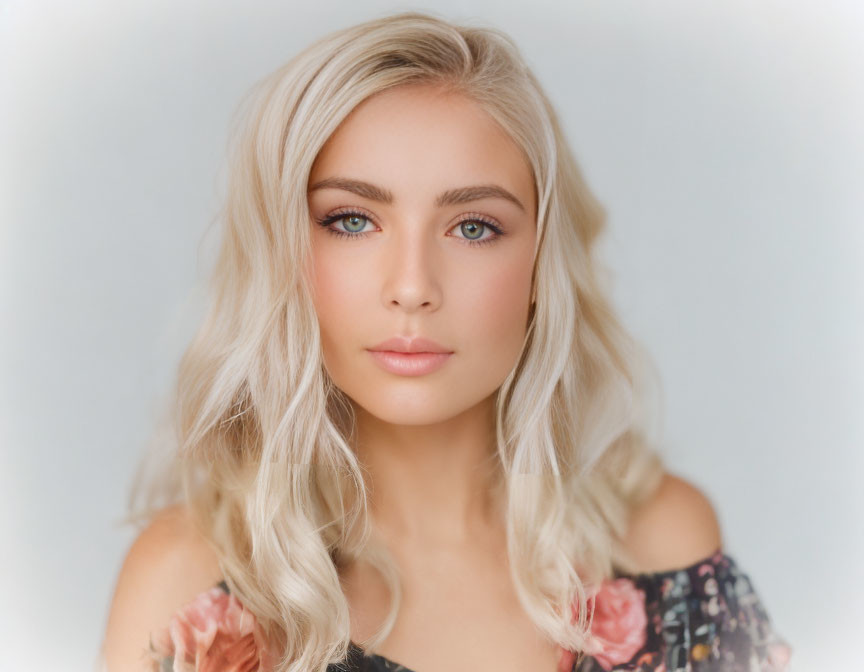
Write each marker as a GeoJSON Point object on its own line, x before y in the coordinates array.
{"type": "Point", "coordinates": [354, 224]}
{"type": "Point", "coordinates": [472, 227]}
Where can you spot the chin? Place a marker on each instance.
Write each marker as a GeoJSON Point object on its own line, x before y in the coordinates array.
{"type": "Point", "coordinates": [396, 414]}
{"type": "Point", "coordinates": [412, 409]}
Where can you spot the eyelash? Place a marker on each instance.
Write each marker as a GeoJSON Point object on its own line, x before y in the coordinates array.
{"type": "Point", "coordinates": [342, 214]}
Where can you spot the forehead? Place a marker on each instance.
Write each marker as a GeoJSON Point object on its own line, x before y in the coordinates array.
{"type": "Point", "coordinates": [424, 138]}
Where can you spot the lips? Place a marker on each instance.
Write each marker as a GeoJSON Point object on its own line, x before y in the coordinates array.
{"type": "Point", "coordinates": [410, 356]}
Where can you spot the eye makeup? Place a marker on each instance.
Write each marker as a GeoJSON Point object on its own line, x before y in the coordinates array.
{"type": "Point", "coordinates": [469, 218]}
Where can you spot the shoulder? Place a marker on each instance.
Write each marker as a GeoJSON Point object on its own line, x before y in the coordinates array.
{"type": "Point", "coordinates": [675, 528]}
{"type": "Point", "coordinates": [167, 565]}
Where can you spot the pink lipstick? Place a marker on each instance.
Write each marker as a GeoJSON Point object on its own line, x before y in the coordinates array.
{"type": "Point", "coordinates": [410, 356]}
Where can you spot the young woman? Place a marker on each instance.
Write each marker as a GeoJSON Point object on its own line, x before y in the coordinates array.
{"type": "Point", "coordinates": [407, 429]}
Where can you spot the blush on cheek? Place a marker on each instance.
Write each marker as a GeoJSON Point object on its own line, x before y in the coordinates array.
{"type": "Point", "coordinates": [498, 321]}
{"type": "Point", "coordinates": [339, 290]}
{"type": "Point", "coordinates": [503, 302]}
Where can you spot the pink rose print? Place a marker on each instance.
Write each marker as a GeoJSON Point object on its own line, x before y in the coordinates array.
{"type": "Point", "coordinates": [213, 633]}
{"type": "Point", "coordinates": [618, 630]}
{"type": "Point", "coordinates": [619, 623]}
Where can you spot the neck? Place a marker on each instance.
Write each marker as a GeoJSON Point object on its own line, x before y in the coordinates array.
{"type": "Point", "coordinates": [432, 484]}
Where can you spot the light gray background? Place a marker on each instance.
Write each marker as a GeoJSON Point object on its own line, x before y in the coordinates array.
{"type": "Point", "coordinates": [724, 138]}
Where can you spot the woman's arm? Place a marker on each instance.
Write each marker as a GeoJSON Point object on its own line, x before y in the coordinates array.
{"type": "Point", "coordinates": [676, 528]}
{"type": "Point", "coordinates": [166, 566]}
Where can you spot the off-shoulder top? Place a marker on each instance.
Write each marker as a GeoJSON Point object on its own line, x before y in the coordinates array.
{"type": "Point", "coordinates": [706, 617]}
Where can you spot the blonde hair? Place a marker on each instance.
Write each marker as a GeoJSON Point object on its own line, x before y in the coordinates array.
{"type": "Point", "coordinates": [261, 435]}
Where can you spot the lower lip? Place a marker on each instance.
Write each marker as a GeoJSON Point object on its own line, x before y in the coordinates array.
{"type": "Point", "coordinates": [410, 363]}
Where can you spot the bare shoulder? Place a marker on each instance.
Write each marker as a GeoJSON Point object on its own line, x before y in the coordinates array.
{"type": "Point", "coordinates": [167, 565]}
{"type": "Point", "coordinates": [676, 528]}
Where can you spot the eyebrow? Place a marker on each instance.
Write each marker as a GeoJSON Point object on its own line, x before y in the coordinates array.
{"type": "Point", "coordinates": [449, 197]}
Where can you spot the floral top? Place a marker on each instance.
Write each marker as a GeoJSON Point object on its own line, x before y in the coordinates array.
{"type": "Point", "coordinates": [706, 617]}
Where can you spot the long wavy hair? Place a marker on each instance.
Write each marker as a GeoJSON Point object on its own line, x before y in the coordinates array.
{"type": "Point", "coordinates": [259, 437]}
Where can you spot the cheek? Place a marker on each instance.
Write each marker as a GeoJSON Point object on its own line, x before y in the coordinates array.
{"type": "Point", "coordinates": [340, 297]}
{"type": "Point", "coordinates": [493, 313]}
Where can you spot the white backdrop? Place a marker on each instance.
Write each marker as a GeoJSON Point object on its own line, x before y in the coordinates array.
{"type": "Point", "coordinates": [724, 138]}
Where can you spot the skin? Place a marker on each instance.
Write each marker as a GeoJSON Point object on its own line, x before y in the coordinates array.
{"type": "Point", "coordinates": [427, 441]}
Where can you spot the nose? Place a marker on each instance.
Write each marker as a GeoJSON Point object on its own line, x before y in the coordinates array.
{"type": "Point", "coordinates": [410, 267]}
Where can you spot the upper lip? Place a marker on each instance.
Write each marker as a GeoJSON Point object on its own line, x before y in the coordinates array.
{"type": "Point", "coordinates": [406, 344]}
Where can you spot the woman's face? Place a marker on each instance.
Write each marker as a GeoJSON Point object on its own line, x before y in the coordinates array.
{"type": "Point", "coordinates": [411, 247]}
